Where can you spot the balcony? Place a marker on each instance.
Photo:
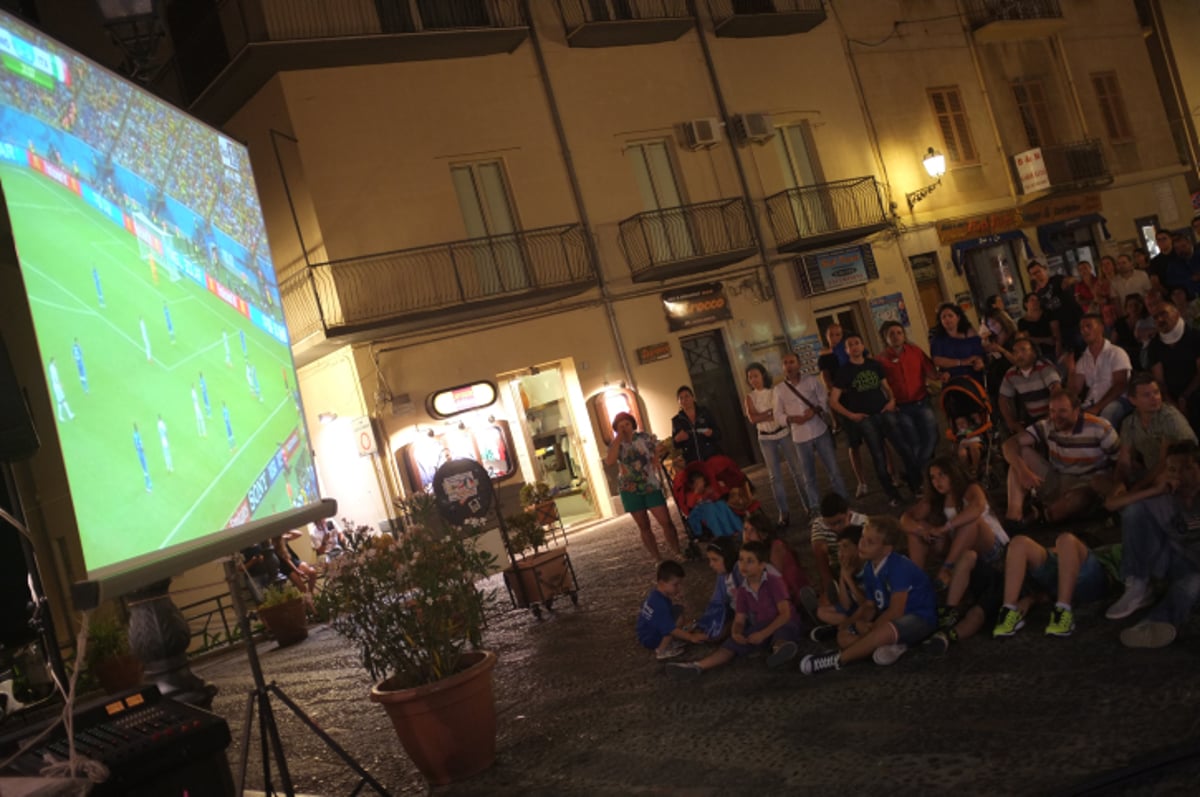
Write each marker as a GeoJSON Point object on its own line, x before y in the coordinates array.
{"type": "Point", "coordinates": [677, 242]}
{"type": "Point", "coordinates": [363, 296]}
{"type": "Point", "coordinates": [613, 23]}
{"type": "Point", "coordinates": [1014, 20]}
{"type": "Point", "coordinates": [815, 216]}
{"type": "Point", "coordinates": [750, 18]}
{"type": "Point", "coordinates": [224, 58]}
{"type": "Point", "coordinates": [1069, 167]}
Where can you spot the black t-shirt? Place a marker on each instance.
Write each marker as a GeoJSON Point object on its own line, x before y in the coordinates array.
{"type": "Point", "coordinates": [1058, 304]}
{"type": "Point", "coordinates": [1178, 360]}
{"type": "Point", "coordinates": [861, 386]}
{"type": "Point", "coordinates": [1158, 266]}
{"type": "Point", "coordinates": [1039, 329]}
{"type": "Point", "coordinates": [828, 362]}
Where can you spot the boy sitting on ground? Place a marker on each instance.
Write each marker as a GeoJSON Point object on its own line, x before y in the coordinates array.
{"type": "Point", "coordinates": [901, 609]}
{"type": "Point", "coordinates": [849, 587]}
{"type": "Point", "coordinates": [835, 516]}
{"type": "Point", "coordinates": [764, 620]}
{"type": "Point", "coordinates": [660, 621]}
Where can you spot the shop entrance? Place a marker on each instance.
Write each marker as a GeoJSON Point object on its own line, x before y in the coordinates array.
{"type": "Point", "coordinates": [552, 439]}
{"type": "Point", "coordinates": [715, 388]}
{"type": "Point", "coordinates": [1070, 246]}
{"type": "Point", "coordinates": [992, 270]}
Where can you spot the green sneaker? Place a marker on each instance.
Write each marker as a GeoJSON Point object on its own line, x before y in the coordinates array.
{"type": "Point", "coordinates": [1010, 622]}
{"type": "Point", "coordinates": [1062, 622]}
{"type": "Point", "coordinates": [947, 617]}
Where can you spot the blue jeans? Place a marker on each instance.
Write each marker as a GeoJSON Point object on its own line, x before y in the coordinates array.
{"type": "Point", "coordinates": [773, 451]}
{"type": "Point", "coordinates": [875, 429]}
{"type": "Point", "coordinates": [820, 447]}
{"type": "Point", "coordinates": [1147, 552]}
{"type": "Point", "coordinates": [918, 428]}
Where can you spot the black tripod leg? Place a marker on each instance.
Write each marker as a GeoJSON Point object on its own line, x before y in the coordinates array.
{"type": "Point", "coordinates": [334, 746]}
{"type": "Point", "coordinates": [270, 729]}
{"type": "Point", "coordinates": [247, 727]}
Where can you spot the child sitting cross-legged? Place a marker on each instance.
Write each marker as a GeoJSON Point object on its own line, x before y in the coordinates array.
{"type": "Point", "coordinates": [764, 618]}
{"type": "Point", "coordinates": [660, 621]}
{"type": "Point", "coordinates": [849, 592]}
{"type": "Point", "coordinates": [900, 611]}
{"type": "Point", "coordinates": [722, 555]}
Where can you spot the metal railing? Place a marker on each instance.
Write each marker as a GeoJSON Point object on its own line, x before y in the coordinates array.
{"type": "Point", "coordinates": [579, 12]}
{"type": "Point", "coordinates": [983, 12]}
{"type": "Point", "coordinates": [721, 10]}
{"type": "Point", "coordinates": [816, 211]}
{"type": "Point", "coordinates": [1074, 164]}
{"type": "Point", "coordinates": [282, 20]}
{"type": "Point", "coordinates": [391, 285]}
{"type": "Point", "coordinates": [689, 232]}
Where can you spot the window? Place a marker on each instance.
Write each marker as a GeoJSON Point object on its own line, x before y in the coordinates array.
{"type": "Point", "coordinates": [952, 121]}
{"type": "Point", "coordinates": [798, 156]}
{"type": "Point", "coordinates": [487, 215]}
{"type": "Point", "coordinates": [666, 227]}
{"type": "Point", "coordinates": [1112, 106]}
{"type": "Point", "coordinates": [1035, 117]}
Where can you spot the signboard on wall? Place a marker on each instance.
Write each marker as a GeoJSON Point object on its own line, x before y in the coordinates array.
{"type": "Point", "coordinates": [463, 398]}
{"type": "Point", "coordinates": [952, 231]}
{"type": "Point", "coordinates": [808, 349]}
{"type": "Point", "coordinates": [364, 436]}
{"type": "Point", "coordinates": [1032, 170]}
{"type": "Point", "coordinates": [840, 268]}
{"type": "Point", "coordinates": [654, 352]}
{"type": "Point", "coordinates": [889, 308]}
{"type": "Point", "coordinates": [694, 306]}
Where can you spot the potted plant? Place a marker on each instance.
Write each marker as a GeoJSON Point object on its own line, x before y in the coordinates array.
{"type": "Point", "coordinates": [536, 576]}
{"type": "Point", "coordinates": [537, 497]}
{"type": "Point", "coordinates": [108, 656]}
{"type": "Point", "coordinates": [282, 612]}
{"type": "Point", "coordinates": [411, 607]}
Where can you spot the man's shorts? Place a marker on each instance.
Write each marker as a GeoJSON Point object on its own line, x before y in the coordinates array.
{"type": "Point", "coordinates": [640, 502]}
{"type": "Point", "coordinates": [1091, 586]}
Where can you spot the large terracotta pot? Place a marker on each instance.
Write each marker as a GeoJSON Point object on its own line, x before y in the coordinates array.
{"type": "Point", "coordinates": [286, 622]}
{"type": "Point", "coordinates": [448, 728]}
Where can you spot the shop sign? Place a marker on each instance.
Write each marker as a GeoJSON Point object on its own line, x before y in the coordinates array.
{"type": "Point", "coordinates": [808, 349]}
{"type": "Point", "coordinates": [1032, 170]}
{"type": "Point", "coordinates": [889, 308]}
{"type": "Point", "coordinates": [464, 398]}
{"type": "Point", "coordinates": [952, 231]}
{"type": "Point", "coordinates": [364, 437]}
{"type": "Point", "coordinates": [463, 491]}
{"type": "Point", "coordinates": [699, 304]}
{"type": "Point", "coordinates": [654, 352]}
{"type": "Point", "coordinates": [840, 268]}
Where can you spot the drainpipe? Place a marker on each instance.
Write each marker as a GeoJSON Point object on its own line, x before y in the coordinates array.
{"type": "Point", "coordinates": [987, 104]}
{"type": "Point", "coordinates": [564, 148]}
{"type": "Point", "coordinates": [723, 109]}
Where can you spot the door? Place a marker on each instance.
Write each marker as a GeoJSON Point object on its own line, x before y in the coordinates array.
{"type": "Point", "coordinates": [811, 210]}
{"type": "Point", "coordinates": [715, 389]}
{"type": "Point", "coordinates": [1073, 246]}
{"type": "Point", "coordinates": [992, 270]}
{"type": "Point", "coordinates": [929, 287]}
{"type": "Point", "coordinates": [495, 260]}
{"type": "Point", "coordinates": [665, 233]}
{"type": "Point", "coordinates": [852, 318]}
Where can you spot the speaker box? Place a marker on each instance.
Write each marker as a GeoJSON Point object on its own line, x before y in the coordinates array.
{"type": "Point", "coordinates": [18, 438]}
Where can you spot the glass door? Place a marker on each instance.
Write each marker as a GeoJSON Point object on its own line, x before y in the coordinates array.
{"type": "Point", "coordinates": [491, 227]}
{"type": "Point", "coordinates": [667, 234]}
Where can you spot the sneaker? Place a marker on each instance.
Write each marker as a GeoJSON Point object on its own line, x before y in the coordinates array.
{"type": "Point", "coordinates": [684, 669]}
{"type": "Point", "coordinates": [823, 633]}
{"type": "Point", "coordinates": [815, 663]}
{"type": "Point", "coordinates": [1148, 634]}
{"type": "Point", "coordinates": [782, 656]}
{"type": "Point", "coordinates": [861, 490]}
{"type": "Point", "coordinates": [673, 649]}
{"type": "Point", "coordinates": [937, 644]}
{"type": "Point", "coordinates": [1062, 622]}
{"type": "Point", "coordinates": [1137, 596]}
{"type": "Point", "coordinates": [947, 617]}
{"type": "Point", "coordinates": [887, 655]}
{"type": "Point", "coordinates": [1009, 622]}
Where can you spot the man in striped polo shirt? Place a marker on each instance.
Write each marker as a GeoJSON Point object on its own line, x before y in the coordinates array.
{"type": "Point", "coordinates": [1025, 390]}
{"type": "Point", "coordinates": [1062, 461]}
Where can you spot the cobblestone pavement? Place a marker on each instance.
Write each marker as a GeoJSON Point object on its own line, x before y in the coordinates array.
{"type": "Point", "coordinates": [582, 709]}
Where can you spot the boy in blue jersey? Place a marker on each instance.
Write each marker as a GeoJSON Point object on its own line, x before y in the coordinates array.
{"type": "Point", "coordinates": [77, 353]}
{"type": "Point", "coordinates": [901, 608]}
{"type": "Point", "coordinates": [141, 455]}
{"type": "Point", "coordinates": [658, 623]}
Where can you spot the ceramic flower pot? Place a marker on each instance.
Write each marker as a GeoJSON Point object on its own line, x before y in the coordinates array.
{"type": "Point", "coordinates": [286, 622]}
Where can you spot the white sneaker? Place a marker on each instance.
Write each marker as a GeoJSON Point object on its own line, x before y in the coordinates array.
{"type": "Point", "coordinates": [673, 649]}
{"type": "Point", "coordinates": [1148, 634]}
{"type": "Point", "coordinates": [886, 655]}
{"type": "Point", "coordinates": [1137, 596]}
{"type": "Point", "coordinates": [861, 491]}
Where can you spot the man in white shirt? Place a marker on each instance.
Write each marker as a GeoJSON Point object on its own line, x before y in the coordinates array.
{"type": "Point", "coordinates": [1128, 280]}
{"type": "Point", "coordinates": [801, 401]}
{"type": "Point", "coordinates": [1103, 372]}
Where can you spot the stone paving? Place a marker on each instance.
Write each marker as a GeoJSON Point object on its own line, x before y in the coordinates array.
{"type": "Point", "coordinates": [582, 709]}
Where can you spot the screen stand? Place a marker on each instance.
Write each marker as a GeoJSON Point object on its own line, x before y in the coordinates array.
{"type": "Point", "coordinates": [260, 697]}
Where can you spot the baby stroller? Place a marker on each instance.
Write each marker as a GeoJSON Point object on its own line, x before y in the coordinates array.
{"type": "Point", "coordinates": [968, 411]}
{"type": "Point", "coordinates": [727, 485]}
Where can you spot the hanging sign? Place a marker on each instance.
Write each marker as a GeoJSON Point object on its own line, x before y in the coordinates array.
{"type": "Point", "coordinates": [464, 398]}
{"type": "Point", "coordinates": [699, 304]}
{"type": "Point", "coordinates": [1032, 170]}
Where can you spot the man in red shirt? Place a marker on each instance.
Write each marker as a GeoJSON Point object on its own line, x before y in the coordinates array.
{"type": "Point", "coordinates": [908, 370]}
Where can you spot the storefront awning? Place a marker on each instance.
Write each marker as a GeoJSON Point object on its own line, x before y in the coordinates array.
{"type": "Point", "coordinates": [960, 249]}
{"type": "Point", "coordinates": [1046, 231]}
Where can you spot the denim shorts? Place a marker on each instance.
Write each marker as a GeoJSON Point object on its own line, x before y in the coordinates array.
{"type": "Point", "coordinates": [912, 628]}
{"type": "Point", "coordinates": [640, 502]}
{"type": "Point", "coordinates": [1091, 586]}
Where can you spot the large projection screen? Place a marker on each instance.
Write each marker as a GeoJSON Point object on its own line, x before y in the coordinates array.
{"type": "Point", "coordinates": [156, 312]}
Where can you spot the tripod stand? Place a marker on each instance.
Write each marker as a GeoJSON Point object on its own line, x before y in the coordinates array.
{"type": "Point", "coordinates": [268, 732]}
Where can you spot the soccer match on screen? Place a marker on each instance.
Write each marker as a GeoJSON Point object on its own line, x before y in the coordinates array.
{"type": "Point", "coordinates": [155, 306]}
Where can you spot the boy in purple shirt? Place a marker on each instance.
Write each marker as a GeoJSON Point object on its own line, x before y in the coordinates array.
{"type": "Point", "coordinates": [764, 618]}
{"type": "Point", "coordinates": [900, 610]}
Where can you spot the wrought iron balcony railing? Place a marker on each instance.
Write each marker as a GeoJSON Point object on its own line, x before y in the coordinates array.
{"type": "Point", "coordinates": [818, 215]}
{"type": "Point", "coordinates": [1071, 166]}
{"type": "Point", "coordinates": [744, 18]}
{"type": "Point", "coordinates": [672, 242]}
{"type": "Point", "coordinates": [394, 286]}
{"type": "Point", "coordinates": [605, 23]}
{"type": "Point", "coordinates": [984, 12]}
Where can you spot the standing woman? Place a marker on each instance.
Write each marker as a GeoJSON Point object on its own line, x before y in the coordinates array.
{"type": "Point", "coordinates": [639, 482]}
{"type": "Point", "coordinates": [956, 348]}
{"type": "Point", "coordinates": [774, 439]}
{"type": "Point", "coordinates": [693, 429]}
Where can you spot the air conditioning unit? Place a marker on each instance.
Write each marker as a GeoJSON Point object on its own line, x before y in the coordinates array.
{"type": "Point", "coordinates": [702, 133]}
{"type": "Point", "coordinates": [753, 127]}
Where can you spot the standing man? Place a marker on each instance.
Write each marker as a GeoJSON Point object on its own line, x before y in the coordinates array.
{"type": "Point", "coordinates": [802, 403]}
{"type": "Point", "coordinates": [201, 427]}
{"type": "Point", "coordinates": [908, 370]}
{"type": "Point", "coordinates": [1057, 298]}
{"type": "Point", "coordinates": [145, 338]}
{"type": "Point", "coordinates": [170, 325]}
{"type": "Point", "coordinates": [60, 395]}
{"type": "Point", "coordinates": [1157, 270]}
{"type": "Point", "coordinates": [228, 427]}
{"type": "Point", "coordinates": [166, 444]}
{"type": "Point", "coordinates": [225, 342]}
{"type": "Point", "coordinates": [245, 351]}
{"type": "Point", "coordinates": [1101, 373]}
{"type": "Point", "coordinates": [77, 353]}
{"type": "Point", "coordinates": [141, 455]}
{"type": "Point", "coordinates": [204, 395]}
{"type": "Point", "coordinates": [99, 289]}
{"type": "Point", "coordinates": [1128, 280]}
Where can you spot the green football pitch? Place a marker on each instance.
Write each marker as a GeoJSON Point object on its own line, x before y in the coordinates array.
{"type": "Point", "coordinates": [60, 239]}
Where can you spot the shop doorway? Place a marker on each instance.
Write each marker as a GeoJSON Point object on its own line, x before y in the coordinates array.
{"type": "Point", "coordinates": [713, 383]}
{"type": "Point", "coordinates": [1071, 247]}
{"type": "Point", "coordinates": [929, 287]}
{"type": "Point", "coordinates": [552, 439]}
{"type": "Point", "coordinates": [852, 318]}
{"type": "Point", "coordinates": [992, 270]}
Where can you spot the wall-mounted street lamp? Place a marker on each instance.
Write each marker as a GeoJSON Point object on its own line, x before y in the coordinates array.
{"type": "Point", "coordinates": [935, 167]}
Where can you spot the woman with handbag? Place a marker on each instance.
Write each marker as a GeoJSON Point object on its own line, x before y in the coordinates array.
{"type": "Point", "coordinates": [774, 440]}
